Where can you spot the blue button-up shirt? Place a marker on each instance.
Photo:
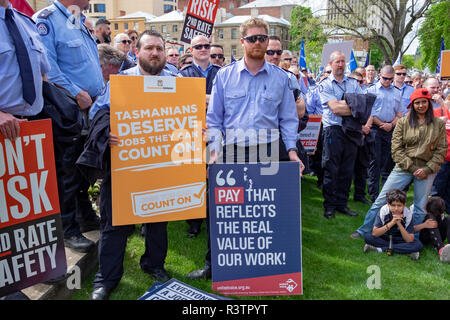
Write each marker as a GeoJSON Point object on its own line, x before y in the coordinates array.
{"type": "Point", "coordinates": [330, 89]}
{"type": "Point", "coordinates": [241, 100]}
{"type": "Point", "coordinates": [387, 103]}
{"type": "Point", "coordinates": [312, 100]}
{"type": "Point", "coordinates": [71, 50]}
{"type": "Point", "coordinates": [103, 100]}
{"type": "Point", "coordinates": [406, 91]}
{"type": "Point", "coordinates": [11, 92]}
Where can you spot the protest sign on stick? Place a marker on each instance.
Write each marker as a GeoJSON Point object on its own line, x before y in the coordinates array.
{"type": "Point", "coordinates": [31, 236]}
{"type": "Point", "coordinates": [199, 19]}
{"type": "Point", "coordinates": [309, 136]}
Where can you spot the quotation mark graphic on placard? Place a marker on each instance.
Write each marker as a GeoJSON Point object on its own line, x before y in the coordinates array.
{"type": "Point", "coordinates": [229, 180]}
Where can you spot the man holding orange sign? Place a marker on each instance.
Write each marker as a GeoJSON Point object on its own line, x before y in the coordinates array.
{"type": "Point", "coordinates": [150, 53]}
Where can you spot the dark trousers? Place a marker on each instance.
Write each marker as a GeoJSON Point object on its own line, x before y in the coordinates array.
{"type": "Point", "coordinates": [338, 162]}
{"type": "Point", "coordinates": [399, 245]}
{"type": "Point", "coordinates": [363, 157]}
{"type": "Point", "coordinates": [436, 236]}
{"type": "Point", "coordinates": [316, 159]}
{"type": "Point", "coordinates": [113, 241]}
{"type": "Point", "coordinates": [441, 184]}
{"type": "Point", "coordinates": [382, 163]}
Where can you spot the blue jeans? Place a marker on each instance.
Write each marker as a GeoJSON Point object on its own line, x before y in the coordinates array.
{"type": "Point", "coordinates": [400, 245]}
{"type": "Point", "coordinates": [399, 179]}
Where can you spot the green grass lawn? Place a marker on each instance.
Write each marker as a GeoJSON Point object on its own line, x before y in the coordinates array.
{"type": "Point", "coordinates": [334, 266]}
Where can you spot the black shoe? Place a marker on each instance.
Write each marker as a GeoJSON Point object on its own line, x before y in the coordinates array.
{"type": "Point", "coordinates": [57, 280]}
{"type": "Point", "coordinates": [363, 200]}
{"type": "Point", "coordinates": [329, 213]}
{"type": "Point", "coordinates": [79, 243]}
{"type": "Point", "coordinates": [193, 232]}
{"type": "Point", "coordinates": [89, 225]}
{"type": "Point", "coordinates": [101, 293]}
{"type": "Point", "coordinates": [200, 273]}
{"type": "Point", "coordinates": [347, 211]}
{"type": "Point", "coordinates": [158, 273]}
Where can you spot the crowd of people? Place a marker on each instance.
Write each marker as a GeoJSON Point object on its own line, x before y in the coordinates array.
{"type": "Point", "coordinates": [381, 130]}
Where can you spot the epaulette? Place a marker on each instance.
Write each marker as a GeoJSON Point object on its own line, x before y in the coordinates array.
{"type": "Point", "coordinates": [44, 14]}
{"type": "Point", "coordinates": [24, 15]}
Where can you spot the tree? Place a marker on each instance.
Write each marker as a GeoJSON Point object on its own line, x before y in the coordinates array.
{"type": "Point", "coordinates": [307, 27]}
{"type": "Point", "coordinates": [408, 61]}
{"type": "Point", "coordinates": [387, 23]}
{"type": "Point", "coordinates": [435, 26]}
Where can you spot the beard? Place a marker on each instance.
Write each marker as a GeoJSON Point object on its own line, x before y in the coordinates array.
{"type": "Point", "coordinates": [152, 67]}
{"type": "Point", "coordinates": [106, 37]}
{"type": "Point", "coordinates": [256, 53]}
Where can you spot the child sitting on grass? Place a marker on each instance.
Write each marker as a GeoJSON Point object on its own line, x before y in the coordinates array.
{"type": "Point", "coordinates": [396, 220]}
{"type": "Point", "coordinates": [436, 228]}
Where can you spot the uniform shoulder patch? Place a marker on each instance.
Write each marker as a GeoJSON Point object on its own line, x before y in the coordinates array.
{"type": "Point", "coordinates": [44, 14]}
{"type": "Point", "coordinates": [42, 28]}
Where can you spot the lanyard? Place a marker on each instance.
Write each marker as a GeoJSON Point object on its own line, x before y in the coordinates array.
{"type": "Point", "coordinates": [344, 90]}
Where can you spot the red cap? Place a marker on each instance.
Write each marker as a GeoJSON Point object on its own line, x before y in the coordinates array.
{"type": "Point", "coordinates": [419, 93]}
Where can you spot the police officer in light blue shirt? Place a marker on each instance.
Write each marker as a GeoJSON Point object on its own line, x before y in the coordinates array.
{"type": "Point", "coordinates": [399, 83]}
{"type": "Point", "coordinates": [13, 105]}
{"type": "Point", "coordinates": [386, 111]}
{"type": "Point", "coordinates": [339, 152]}
{"type": "Point", "coordinates": [71, 50]}
{"type": "Point", "coordinates": [73, 56]}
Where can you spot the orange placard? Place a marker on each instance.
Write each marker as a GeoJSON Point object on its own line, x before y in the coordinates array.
{"type": "Point", "coordinates": [157, 170]}
{"type": "Point", "coordinates": [445, 65]}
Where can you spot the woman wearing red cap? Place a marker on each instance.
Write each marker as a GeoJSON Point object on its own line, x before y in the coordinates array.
{"type": "Point", "coordinates": [419, 145]}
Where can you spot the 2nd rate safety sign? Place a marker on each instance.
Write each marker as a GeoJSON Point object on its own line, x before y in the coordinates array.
{"type": "Point", "coordinates": [199, 19]}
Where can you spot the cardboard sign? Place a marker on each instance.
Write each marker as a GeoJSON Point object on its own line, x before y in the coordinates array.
{"type": "Point", "coordinates": [310, 135]}
{"type": "Point", "coordinates": [255, 227]}
{"type": "Point", "coordinates": [345, 47]}
{"type": "Point", "coordinates": [177, 290]}
{"type": "Point", "coordinates": [199, 19]}
{"type": "Point", "coordinates": [157, 170]}
{"type": "Point", "coordinates": [31, 237]}
{"type": "Point", "coordinates": [445, 65]}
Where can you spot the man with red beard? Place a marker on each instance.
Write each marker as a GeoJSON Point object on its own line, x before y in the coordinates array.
{"type": "Point", "coordinates": [253, 97]}
{"type": "Point", "coordinates": [151, 59]}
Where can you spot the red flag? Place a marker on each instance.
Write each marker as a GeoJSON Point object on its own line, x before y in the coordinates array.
{"type": "Point", "coordinates": [22, 6]}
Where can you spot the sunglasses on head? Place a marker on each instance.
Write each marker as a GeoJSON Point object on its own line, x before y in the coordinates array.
{"type": "Point", "coordinates": [272, 52]}
{"type": "Point", "coordinates": [387, 79]}
{"type": "Point", "coordinates": [258, 37]}
{"type": "Point", "coordinates": [401, 74]}
{"type": "Point", "coordinates": [174, 55]}
{"type": "Point", "coordinates": [201, 46]}
{"type": "Point", "coordinates": [126, 41]}
{"type": "Point", "coordinates": [216, 55]}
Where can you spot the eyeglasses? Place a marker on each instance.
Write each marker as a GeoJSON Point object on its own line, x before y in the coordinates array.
{"type": "Point", "coordinates": [216, 55]}
{"type": "Point", "coordinates": [174, 55]}
{"type": "Point", "coordinates": [329, 71]}
{"type": "Point", "coordinates": [133, 38]}
{"type": "Point", "coordinates": [258, 37]}
{"type": "Point", "coordinates": [401, 74]}
{"type": "Point", "coordinates": [387, 79]}
{"type": "Point", "coordinates": [126, 41]}
{"type": "Point", "coordinates": [360, 81]}
{"type": "Point", "coordinates": [201, 46]}
{"type": "Point", "coordinates": [272, 52]}
{"type": "Point", "coordinates": [287, 59]}
{"type": "Point", "coordinates": [408, 82]}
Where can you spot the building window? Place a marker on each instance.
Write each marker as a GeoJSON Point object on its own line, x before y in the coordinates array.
{"type": "Point", "coordinates": [125, 25]}
{"type": "Point", "coordinates": [272, 31]}
{"type": "Point", "coordinates": [174, 28]}
{"type": "Point", "coordinates": [231, 6]}
{"type": "Point", "coordinates": [163, 29]}
{"type": "Point", "coordinates": [220, 33]}
{"type": "Point", "coordinates": [168, 8]}
{"type": "Point", "coordinates": [116, 26]}
{"type": "Point", "coordinates": [99, 7]}
{"type": "Point", "coordinates": [153, 28]}
{"type": "Point", "coordinates": [233, 33]}
{"type": "Point", "coordinates": [233, 50]}
{"type": "Point", "coordinates": [136, 26]}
